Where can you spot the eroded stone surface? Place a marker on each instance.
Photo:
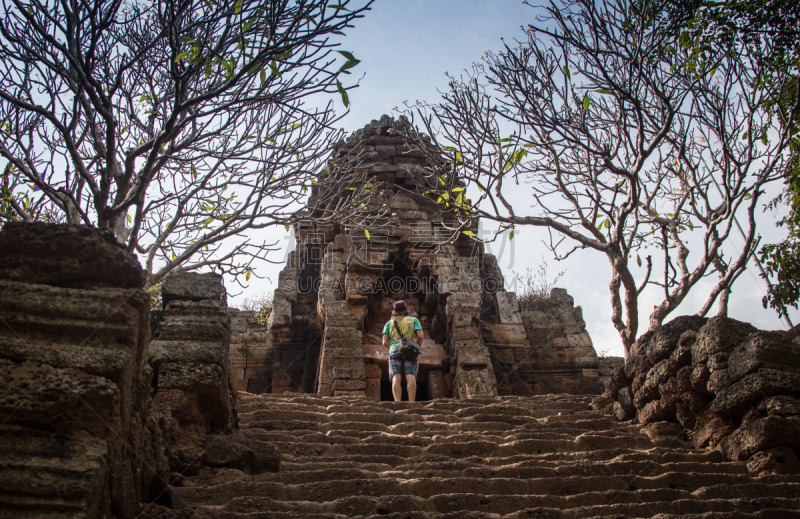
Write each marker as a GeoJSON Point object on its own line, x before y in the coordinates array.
{"type": "Point", "coordinates": [80, 434]}
{"type": "Point", "coordinates": [324, 331]}
{"type": "Point", "coordinates": [730, 386]}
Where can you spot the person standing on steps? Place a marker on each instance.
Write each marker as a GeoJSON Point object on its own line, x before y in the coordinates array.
{"type": "Point", "coordinates": [401, 325]}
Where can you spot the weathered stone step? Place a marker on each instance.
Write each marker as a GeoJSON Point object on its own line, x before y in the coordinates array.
{"type": "Point", "coordinates": [560, 486]}
{"type": "Point", "coordinates": [718, 508]}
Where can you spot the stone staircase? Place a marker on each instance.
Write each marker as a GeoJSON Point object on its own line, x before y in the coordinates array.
{"type": "Point", "coordinates": [514, 457]}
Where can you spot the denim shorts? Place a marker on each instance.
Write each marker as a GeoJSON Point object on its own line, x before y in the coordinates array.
{"type": "Point", "coordinates": [398, 366]}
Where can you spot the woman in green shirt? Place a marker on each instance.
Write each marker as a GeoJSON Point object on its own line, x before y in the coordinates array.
{"type": "Point", "coordinates": [402, 325]}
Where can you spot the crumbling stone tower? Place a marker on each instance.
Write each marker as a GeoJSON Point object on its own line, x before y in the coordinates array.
{"type": "Point", "coordinates": [337, 289]}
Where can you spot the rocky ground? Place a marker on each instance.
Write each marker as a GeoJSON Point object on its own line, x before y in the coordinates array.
{"type": "Point", "coordinates": [513, 457]}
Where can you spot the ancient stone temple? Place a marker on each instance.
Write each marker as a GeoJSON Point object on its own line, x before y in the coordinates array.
{"type": "Point", "coordinates": [336, 291]}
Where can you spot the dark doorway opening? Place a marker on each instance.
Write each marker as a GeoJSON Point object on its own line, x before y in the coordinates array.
{"type": "Point", "coordinates": [386, 391]}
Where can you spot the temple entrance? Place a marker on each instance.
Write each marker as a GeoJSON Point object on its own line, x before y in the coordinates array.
{"type": "Point", "coordinates": [387, 396]}
{"type": "Point", "coordinates": [408, 282]}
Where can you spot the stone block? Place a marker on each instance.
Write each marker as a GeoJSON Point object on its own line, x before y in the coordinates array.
{"type": "Point", "coordinates": [504, 332]}
{"type": "Point", "coordinates": [373, 390]}
{"type": "Point", "coordinates": [242, 452]}
{"type": "Point", "coordinates": [349, 385]}
{"type": "Point", "coordinates": [353, 343]}
{"type": "Point", "coordinates": [372, 371]}
{"type": "Point", "coordinates": [587, 362]}
{"type": "Point", "coordinates": [348, 373]}
{"type": "Point", "coordinates": [508, 308]}
{"type": "Point", "coordinates": [504, 355]}
{"type": "Point", "coordinates": [472, 356]}
{"type": "Point", "coordinates": [337, 354]}
{"type": "Point", "coordinates": [62, 255]}
{"type": "Point", "coordinates": [188, 352]}
{"type": "Point", "coordinates": [191, 286]}
{"type": "Point", "coordinates": [65, 400]}
{"type": "Point", "coordinates": [281, 314]}
{"type": "Point", "coordinates": [580, 340]}
{"type": "Point", "coordinates": [52, 474]}
{"type": "Point", "coordinates": [436, 385]}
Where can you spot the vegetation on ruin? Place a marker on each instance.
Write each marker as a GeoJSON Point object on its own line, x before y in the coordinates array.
{"type": "Point", "coordinates": [179, 125]}
{"type": "Point", "coordinates": [261, 305]}
{"type": "Point", "coordinates": [533, 288]}
{"type": "Point", "coordinates": [630, 135]}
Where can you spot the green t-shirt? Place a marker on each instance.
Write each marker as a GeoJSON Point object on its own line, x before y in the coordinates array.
{"type": "Point", "coordinates": [407, 326]}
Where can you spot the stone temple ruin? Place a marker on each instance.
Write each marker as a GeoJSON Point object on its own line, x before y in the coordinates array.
{"type": "Point", "coordinates": [109, 410]}
{"type": "Point", "coordinates": [336, 291]}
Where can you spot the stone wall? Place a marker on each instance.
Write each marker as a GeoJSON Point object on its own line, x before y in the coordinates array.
{"type": "Point", "coordinates": [542, 349]}
{"type": "Point", "coordinates": [95, 418]}
{"type": "Point", "coordinates": [251, 353]}
{"type": "Point", "coordinates": [80, 434]}
{"type": "Point", "coordinates": [189, 358]}
{"type": "Point", "coordinates": [728, 385]}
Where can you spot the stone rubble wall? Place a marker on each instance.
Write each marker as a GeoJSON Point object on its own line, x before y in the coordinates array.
{"type": "Point", "coordinates": [189, 356]}
{"type": "Point", "coordinates": [251, 352]}
{"type": "Point", "coordinates": [728, 385]}
{"type": "Point", "coordinates": [566, 359]}
{"type": "Point", "coordinates": [80, 433]}
{"type": "Point", "coordinates": [542, 350]}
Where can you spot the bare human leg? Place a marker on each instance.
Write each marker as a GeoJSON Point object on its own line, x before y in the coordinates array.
{"type": "Point", "coordinates": [397, 391]}
{"type": "Point", "coordinates": [411, 387]}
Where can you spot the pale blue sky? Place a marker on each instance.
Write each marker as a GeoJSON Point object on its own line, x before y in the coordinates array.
{"type": "Point", "coordinates": [405, 48]}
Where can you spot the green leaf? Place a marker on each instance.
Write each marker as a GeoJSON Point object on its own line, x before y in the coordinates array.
{"type": "Point", "coordinates": [286, 227]}
{"type": "Point", "coordinates": [284, 55]}
{"type": "Point", "coordinates": [208, 66]}
{"type": "Point", "coordinates": [248, 25]}
{"type": "Point", "coordinates": [348, 65]}
{"type": "Point", "coordinates": [263, 75]}
{"type": "Point", "coordinates": [566, 71]}
{"type": "Point", "coordinates": [511, 236]}
{"type": "Point", "coordinates": [247, 276]}
{"type": "Point", "coordinates": [129, 218]}
{"type": "Point", "coordinates": [343, 92]}
{"type": "Point", "coordinates": [469, 233]}
{"type": "Point", "coordinates": [607, 224]}
{"type": "Point", "coordinates": [194, 172]}
{"type": "Point", "coordinates": [208, 220]}
{"type": "Point", "coordinates": [639, 260]}
{"type": "Point", "coordinates": [237, 8]}
{"type": "Point", "coordinates": [366, 233]}
{"type": "Point", "coordinates": [441, 181]}
{"type": "Point", "coordinates": [604, 91]}
{"type": "Point", "coordinates": [347, 55]}
{"type": "Point", "coordinates": [748, 195]}
{"type": "Point", "coordinates": [125, 129]}
{"type": "Point", "coordinates": [337, 7]}
{"type": "Point", "coordinates": [586, 101]}
{"type": "Point", "coordinates": [273, 66]}
{"type": "Point", "coordinates": [182, 55]}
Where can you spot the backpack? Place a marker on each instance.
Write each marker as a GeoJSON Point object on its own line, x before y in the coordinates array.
{"type": "Point", "coordinates": [409, 348]}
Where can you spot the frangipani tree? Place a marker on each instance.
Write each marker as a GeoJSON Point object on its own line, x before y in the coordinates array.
{"type": "Point", "coordinates": [627, 137]}
{"type": "Point", "coordinates": [180, 124]}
